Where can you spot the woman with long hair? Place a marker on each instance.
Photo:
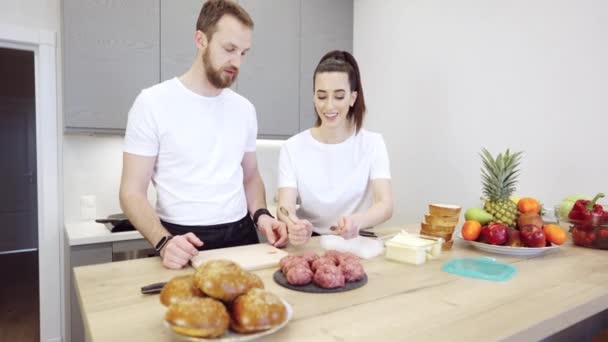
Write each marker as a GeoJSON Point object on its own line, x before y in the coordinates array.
{"type": "Point", "coordinates": [337, 171]}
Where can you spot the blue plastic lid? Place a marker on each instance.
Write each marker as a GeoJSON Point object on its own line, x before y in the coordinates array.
{"type": "Point", "coordinates": [481, 268]}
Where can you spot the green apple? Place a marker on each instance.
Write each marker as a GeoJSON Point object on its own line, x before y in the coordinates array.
{"type": "Point", "coordinates": [479, 215]}
{"type": "Point", "coordinates": [568, 202]}
{"type": "Point", "coordinates": [574, 198]}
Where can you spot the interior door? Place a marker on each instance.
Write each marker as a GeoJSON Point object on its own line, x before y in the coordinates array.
{"type": "Point", "coordinates": [18, 198]}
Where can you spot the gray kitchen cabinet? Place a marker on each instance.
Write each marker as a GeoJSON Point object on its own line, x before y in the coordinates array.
{"type": "Point", "coordinates": [114, 49]}
{"type": "Point", "coordinates": [110, 53]}
{"type": "Point", "coordinates": [177, 28]}
{"type": "Point", "coordinates": [326, 25]}
{"type": "Point", "coordinates": [269, 75]}
{"type": "Point", "coordinates": [82, 255]}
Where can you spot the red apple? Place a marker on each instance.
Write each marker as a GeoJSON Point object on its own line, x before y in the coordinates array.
{"type": "Point", "coordinates": [494, 234]}
{"type": "Point", "coordinates": [532, 236]}
{"type": "Point", "coordinates": [513, 238]}
{"type": "Point", "coordinates": [530, 219]}
{"type": "Point", "coordinates": [482, 235]}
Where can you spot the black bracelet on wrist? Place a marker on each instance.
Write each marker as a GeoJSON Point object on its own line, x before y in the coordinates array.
{"type": "Point", "coordinates": [258, 213]}
{"type": "Point", "coordinates": [162, 243]}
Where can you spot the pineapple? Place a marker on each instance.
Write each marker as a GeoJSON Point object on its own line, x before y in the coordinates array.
{"type": "Point", "coordinates": [499, 177]}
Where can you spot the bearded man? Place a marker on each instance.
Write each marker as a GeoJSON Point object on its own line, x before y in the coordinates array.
{"type": "Point", "coordinates": [194, 138]}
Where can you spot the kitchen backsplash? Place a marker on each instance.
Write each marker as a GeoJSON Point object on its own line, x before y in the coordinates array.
{"type": "Point", "coordinates": [92, 165]}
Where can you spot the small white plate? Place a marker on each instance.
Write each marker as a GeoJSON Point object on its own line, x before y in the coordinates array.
{"type": "Point", "coordinates": [234, 336]}
{"type": "Point", "coordinates": [508, 250]}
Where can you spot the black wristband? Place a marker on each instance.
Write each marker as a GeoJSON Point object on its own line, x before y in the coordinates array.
{"type": "Point", "coordinates": [163, 241]}
{"type": "Point", "coordinates": [260, 212]}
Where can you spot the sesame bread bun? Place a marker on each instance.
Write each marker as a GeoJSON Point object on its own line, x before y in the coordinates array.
{"type": "Point", "coordinates": [224, 280]}
{"type": "Point", "coordinates": [257, 310]}
{"type": "Point", "coordinates": [179, 288]}
{"type": "Point", "coordinates": [198, 317]}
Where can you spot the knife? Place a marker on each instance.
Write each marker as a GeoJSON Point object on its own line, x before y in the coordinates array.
{"type": "Point", "coordinates": [152, 288]}
{"type": "Point", "coordinates": [367, 234]}
{"type": "Point", "coordinates": [361, 232]}
{"type": "Point", "coordinates": [332, 228]}
{"type": "Point", "coordinates": [108, 220]}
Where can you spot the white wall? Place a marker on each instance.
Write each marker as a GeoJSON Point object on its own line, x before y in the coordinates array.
{"type": "Point", "coordinates": [91, 166]}
{"type": "Point", "coordinates": [35, 14]}
{"type": "Point", "coordinates": [443, 79]}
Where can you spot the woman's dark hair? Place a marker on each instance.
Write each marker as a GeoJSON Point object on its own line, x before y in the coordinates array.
{"type": "Point", "coordinates": [342, 61]}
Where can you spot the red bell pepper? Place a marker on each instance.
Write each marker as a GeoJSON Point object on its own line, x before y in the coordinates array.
{"type": "Point", "coordinates": [587, 213]}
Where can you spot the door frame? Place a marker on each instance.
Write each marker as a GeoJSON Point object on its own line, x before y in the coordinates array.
{"type": "Point", "coordinates": [48, 150]}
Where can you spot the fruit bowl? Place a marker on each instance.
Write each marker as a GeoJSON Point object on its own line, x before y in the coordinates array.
{"type": "Point", "coordinates": [508, 250]}
{"type": "Point", "coordinates": [591, 234]}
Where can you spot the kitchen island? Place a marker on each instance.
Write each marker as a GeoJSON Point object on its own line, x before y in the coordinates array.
{"type": "Point", "coordinates": [549, 293]}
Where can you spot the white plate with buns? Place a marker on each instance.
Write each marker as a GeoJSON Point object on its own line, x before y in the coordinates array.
{"type": "Point", "coordinates": [222, 302]}
{"type": "Point", "coordinates": [231, 335]}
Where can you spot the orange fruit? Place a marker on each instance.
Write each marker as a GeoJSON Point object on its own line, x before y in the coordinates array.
{"type": "Point", "coordinates": [528, 205]}
{"type": "Point", "coordinates": [555, 234]}
{"type": "Point", "coordinates": [471, 230]}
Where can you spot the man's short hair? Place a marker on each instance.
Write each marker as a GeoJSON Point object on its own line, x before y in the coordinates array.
{"type": "Point", "coordinates": [213, 10]}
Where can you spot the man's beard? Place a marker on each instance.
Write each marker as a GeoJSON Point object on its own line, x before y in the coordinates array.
{"type": "Point", "coordinates": [215, 76]}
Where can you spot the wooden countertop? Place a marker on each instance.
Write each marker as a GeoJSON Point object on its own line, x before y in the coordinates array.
{"type": "Point", "coordinates": [401, 301]}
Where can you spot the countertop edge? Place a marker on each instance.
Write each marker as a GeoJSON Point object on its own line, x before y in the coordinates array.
{"type": "Point", "coordinates": [561, 321]}
{"type": "Point", "coordinates": [90, 232]}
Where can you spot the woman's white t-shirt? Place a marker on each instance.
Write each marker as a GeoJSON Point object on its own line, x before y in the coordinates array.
{"type": "Point", "coordinates": [333, 180]}
{"type": "Point", "coordinates": [199, 143]}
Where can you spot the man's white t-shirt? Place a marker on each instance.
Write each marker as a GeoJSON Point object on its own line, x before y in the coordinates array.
{"type": "Point", "coordinates": [332, 179]}
{"type": "Point", "coordinates": [199, 143]}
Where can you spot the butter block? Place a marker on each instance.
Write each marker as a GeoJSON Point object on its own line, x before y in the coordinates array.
{"type": "Point", "coordinates": [412, 249]}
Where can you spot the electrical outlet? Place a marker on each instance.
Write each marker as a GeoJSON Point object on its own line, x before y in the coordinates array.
{"type": "Point", "coordinates": [88, 207]}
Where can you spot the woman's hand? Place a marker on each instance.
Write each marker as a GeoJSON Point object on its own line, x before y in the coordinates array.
{"type": "Point", "coordinates": [348, 228]}
{"type": "Point", "coordinates": [299, 231]}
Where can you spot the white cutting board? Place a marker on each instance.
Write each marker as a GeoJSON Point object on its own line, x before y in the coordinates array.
{"type": "Point", "coordinates": [250, 257]}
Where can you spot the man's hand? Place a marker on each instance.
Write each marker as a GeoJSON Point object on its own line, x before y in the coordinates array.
{"type": "Point", "coordinates": [347, 228]}
{"type": "Point", "coordinates": [275, 230]}
{"type": "Point", "coordinates": [179, 250]}
{"type": "Point", "coordinates": [299, 232]}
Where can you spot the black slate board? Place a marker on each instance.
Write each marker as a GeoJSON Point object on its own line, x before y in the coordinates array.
{"type": "Point", "coordinates": [280, 279]}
